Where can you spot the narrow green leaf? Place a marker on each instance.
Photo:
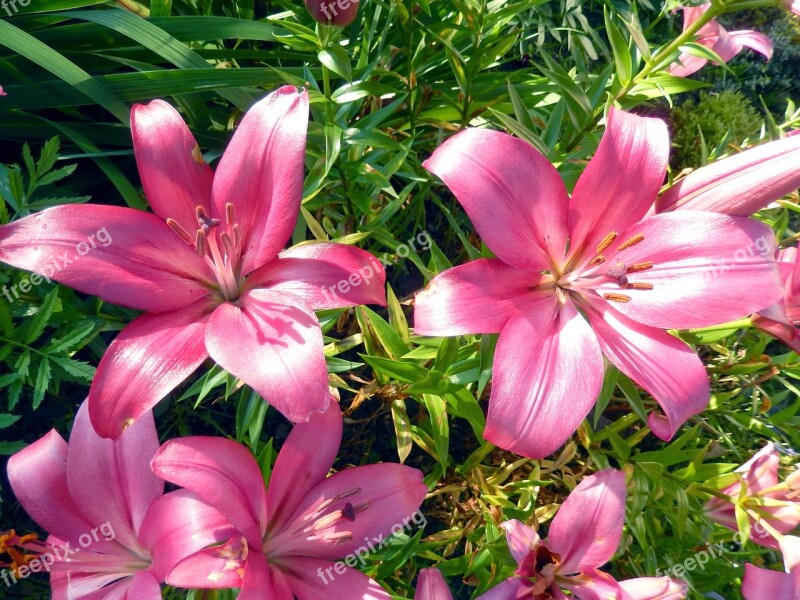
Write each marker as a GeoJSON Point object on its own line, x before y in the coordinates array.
{"type": "Point", "coordinates": [63, 68]}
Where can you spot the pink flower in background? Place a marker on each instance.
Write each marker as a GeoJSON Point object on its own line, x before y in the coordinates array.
{"type": "Point", "coordinates": [583, 536]}
{"type": "Point", "coordinates": [763, 584]}
{"type": "Point", "coordinates": [582, 277]}
{"type": "Point", "coordinates": [712, 35]}
{"type": "Point", "coordinates": [207, 267]}
{"type": "Point", "coordinates": [759, 476]}
{"type": "Point", "coordinates": [114, 534]}
{"type": "Point", "coordinates": [741, 184]}
{"type": "Point", "coordinates": [432, 586]}
{"type": "Point", "coordinates": [289, 535]}
{"type": "Point", "coordinates": [781, 320]}
{"type": "Point", "coordinates": [2, 93]}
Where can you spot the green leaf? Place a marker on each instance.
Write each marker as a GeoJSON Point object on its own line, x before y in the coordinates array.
{"type": "Point", "coordinates": [620, 50]}
{"type": "Point", "coordinates": [402, 429]}
{"type": "Point", "coordinates": [351, 92]}
{"type": "Point", "coordinates": [7, 420]}
{"type": "Point", "coordinates": [336, 59]}
{"type": "Point", "coordinates": [35, 326]}
{"type": "Point", "coordinates": [160, 42]}
{"type": "Point", "coordinates": [42, 381]}
{"type": "Point", "coordinates": [437, 409]}
{"type": "Point", "coordinates": [63, 68]}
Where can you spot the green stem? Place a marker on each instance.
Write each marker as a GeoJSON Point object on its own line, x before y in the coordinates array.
{"type": "Point", "coordinates": [712, 13]}
{"type": "Point", "coordinates": [740, 324]}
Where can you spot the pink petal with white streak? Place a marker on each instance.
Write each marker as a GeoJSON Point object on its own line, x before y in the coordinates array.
{"type": "Point", "coordinates": [548, 371]}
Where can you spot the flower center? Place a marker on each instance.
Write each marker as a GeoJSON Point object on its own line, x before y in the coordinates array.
{"type": "Point", "coordinates": [221, 248]}
{"type": "Point", "coordinates": [327, 522]}
{"type": "Point", "coordinates": [14, 547]}
{"type": "Point", "coordinates": [600, 270]}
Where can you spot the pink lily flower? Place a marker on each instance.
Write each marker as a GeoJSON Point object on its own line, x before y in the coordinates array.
{"type": "Point", "coordinates": [432, 586]}
{"type": "Point", "coordinates": [712, 35]}
{"type": "Point", "coordinates": [114, 534]}
{"type": "Point", "coordinates": [759, 476]}
{"type": "Point", "coordinates": [582, 277]}
{"type": "Point", "coordinates": [760, 584]}
{"type": "Point", "coordinates": [206, 268]}
{"type": "Point", "coordinates": [289, 535]}
{"type": "Point", "coordinates": [583, 536]}
{"type": "Point", "coordinates": [741, 184]}
{"type": "Point", "coordinates": [2, 93]}
{"type": "Point", "coordinates": [781, 320]}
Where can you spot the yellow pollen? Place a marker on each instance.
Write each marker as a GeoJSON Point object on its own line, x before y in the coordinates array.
{"type": "Point", "coordinates": [640, 267]}
{"type": "Point", "coordinates": [606, 241]}
{"type": "Point", "coordinates": [598, 260]}
{"type": "Point", "coordinates": [631, 242]}
{"type": "Point", "coordinates": [197, 156]}
{"type": "Point", "coordinates": [617, 298]}
{"type": "Point", "coordinates": [127, 423]}
{"type": "Point", "coordinates": [639, 285]}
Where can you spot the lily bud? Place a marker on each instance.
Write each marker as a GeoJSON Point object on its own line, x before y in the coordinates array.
{"type": "Point", "coordinates": [339, 13]}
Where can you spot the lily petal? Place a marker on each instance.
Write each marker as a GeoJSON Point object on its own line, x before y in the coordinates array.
{"type": "Point", "coordinates": [754, 40]}
{"type": "Point", "coordinates": [261, 580]}
{"type": "Point", "coordinates": [222, 474]}
{"type": "Point", "coordinates": [537, 402]}
{"type": "Point", "coordinates": [309, 581]}
{"type": "Point", "coordinates": [759, 584]}
{"type": "Point", "coordinates": [150, 357]}
{"type": "Point", "coordinates": [660, 363]}
{"type": "Point", "coordinates": [432, 586]}
{"type": "Point", "coordinates": [220, 566]}
{"type": "Point", "coordinates": [476, 297]}
{"type": "Point", "coordinates": [305, 459]}
{"type": "Point", "coordinates": [653, 588]}
{"type": "Point", "coordinates": [381, 496]}
{"type": "Point", "coordinates": [273, 343]}
{"type": "Point", "coordinates": [143, 265]}
{"type": "Point", "coordinates": [686, 64]}
{"type": "Point", "coordinates": [708, 269]}
{"type": "Point", "coordinates": [174, 175]}
{"type": "Point", "coordinates": [588, 527]}
{"type": "Point", "coordinates": [595, 585]}
{"type": "Point", "coordinates": [740, 184]}
{"type": "Point", "coordinates": [521, 539]}
{"type": "Point", "coordinates": [38, 477]}
{"type": "Point", "coordinates": [514, 588]}
{"type": "Point", "coordinates": [512, 194]}
{"type": "Point", "coordinates": [143, 587]}
{"type": "Point", "coordinates": [261, 173]}
{"type": "Point", "coordinates": [110, 480]}
{"type": "Point", "coordinates": [177, 525]}
{"type": "Point", "coordinates": [324, 276]}
{"type": "Point", "coordinates": [621, 182]}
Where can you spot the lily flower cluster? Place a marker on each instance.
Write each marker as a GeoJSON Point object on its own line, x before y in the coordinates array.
{"type": "Point", "coordinates": [772, 507]}
{"type": "Point", "coordinates": [224, 529]}
{"type": "Point", "coordinates": [600, 274]}
{"type": "Point", "coordinates": [583, 536]}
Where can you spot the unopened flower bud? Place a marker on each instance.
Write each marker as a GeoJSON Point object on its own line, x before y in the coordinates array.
{"type": "Point", "coordinates": [333, 12]}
